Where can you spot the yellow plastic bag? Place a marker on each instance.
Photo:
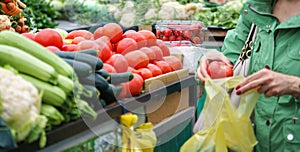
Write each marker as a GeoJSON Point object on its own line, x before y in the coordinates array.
{"type": "Point", "coordinates": [140, 139]}
{"type": "Point", "coordinates": [224, 126]}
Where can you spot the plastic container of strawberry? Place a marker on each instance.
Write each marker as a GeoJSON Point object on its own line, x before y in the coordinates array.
{"type": "Point", "coordinates": [179, 31]}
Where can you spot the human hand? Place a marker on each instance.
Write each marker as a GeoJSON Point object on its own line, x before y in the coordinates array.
{"type": "Point", "coordinates": [206, 59]}
{"type": "Point", "coordinates": [270, 83]}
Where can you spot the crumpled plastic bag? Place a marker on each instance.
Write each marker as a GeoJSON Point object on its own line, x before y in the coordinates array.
{"type": "Point", "coordinates": [140, 139]}
{"type": "Point", "coordinates": [224, 126]}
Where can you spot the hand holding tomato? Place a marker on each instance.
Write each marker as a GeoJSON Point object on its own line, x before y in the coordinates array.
{"type": "Point", "coordinates": [206, 59]}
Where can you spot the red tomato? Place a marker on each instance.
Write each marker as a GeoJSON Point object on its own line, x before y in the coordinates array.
{"type": "Point", "coordinates": [87, 44]}
{"type": "Point", "coordinates": [119, 62]}
{"type": "Point", "coordinates": [82, 33]}
{"type": "Point", "coordinates": [130, 69]}
{"type": "Point", "coordinates": [149, 52]}
{"type": "Point", "coordinates": [137, 59]}
{"type": "Point", "coordinates": [196, 28]}
{"type": "Point", "coordinates": [104, 51]}
{"type": "Point", "coordinates": [136, 85]}
{"type": "Point", "coordinates": [165, 38]}
{"type": "Point", "coordinates": [53, 48]}
{"type": "Point", "coordinates": [187, 34]}
{"type": "Point", "coordinates": [174, 62]}
{"type": "Point", "coordinates": [172, 38]}
{"type": "Point", "coordinates": [150, 37]}
{"type": "Point", "coordinates": [164, 66]}
{"type": "Point", "coordinates": [167, 32]}
{"type": "Point", "coordinates": [155, 70]}
{"type": "Point", "coordinates": [109, 68]}
{"type": "Point", "coordinates": [138, 37]}
{"type": "Point", "coordinates": [163, 47]}
{"type": "Point", "coordinates": [179, 38]}
{"type": "Point", "coordinates": [177, 33]}
{"type": "Point", "coordinates": [128, 31]}
{"type": "Point", "coordinates": [112, 30]}
{"type": "Point", "coordinates": [158, 34]}
{"type": "Point", "coordinates": [70, 47]}
{"type": "Point", "coordinates": [78, 39]}
{"type": "Point", "coordinates": [218, 69]}
{"type": "Point", "coordinates": [49, 37]}
{"type": "Point", "coordinates": [158, 52]}
{"type": "Point", "coordinates": [106, 40]}
{"type": "Point", "coordinates": [29, 35]}
{"type": "Point", "coordinates": [126, 45]}
{"type": "Point", "coordinates": [197, 40]}
{"type": "Point", "coordinates": [145, 73]}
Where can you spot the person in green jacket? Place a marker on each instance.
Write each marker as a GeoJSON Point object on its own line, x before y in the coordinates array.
{"type": "Point", "coordinates": [274, 70]}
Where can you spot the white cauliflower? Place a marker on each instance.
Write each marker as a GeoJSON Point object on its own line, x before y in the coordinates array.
{"type": "Point", "coordinates": [192, 8]}
{"type": "Point", "coordinates": [166, 1]}
{"type": "Point", "coordinates": [151, 13]}
{"type": "Point", "coordinates": [172, 10]}
{"type": "Point", "coordinates": [20, 103]}
{"type": "Point", "coordinates": [128, 19]}
{"type": "Point", "coordinates": [5, 23]}
{"type": "Point", "coordinates": [127, 14]}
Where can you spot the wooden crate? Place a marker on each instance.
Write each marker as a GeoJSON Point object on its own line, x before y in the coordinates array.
{"type": "Point", "coordinates": [166, 106]}
{"type": "Point", "coordinates": [162, 80]}
{"type": "Point", "coordinates": [161, 109]}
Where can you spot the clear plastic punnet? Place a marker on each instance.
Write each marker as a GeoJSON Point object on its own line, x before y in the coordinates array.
{"type": "Point", "coordinates": [178, 30]}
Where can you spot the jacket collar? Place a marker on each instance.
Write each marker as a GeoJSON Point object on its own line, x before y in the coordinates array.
{"type": "Point", "coordinates": [267, 18]}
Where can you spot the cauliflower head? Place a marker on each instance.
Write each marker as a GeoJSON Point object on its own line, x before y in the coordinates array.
{"type": "Point", "coordinates": [20, 103]}
{"type": "Point", "coordinates": [5, 23]}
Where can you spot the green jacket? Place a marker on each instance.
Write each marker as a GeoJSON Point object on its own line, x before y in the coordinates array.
{"type": "Point", "coordinates": [278, 46]}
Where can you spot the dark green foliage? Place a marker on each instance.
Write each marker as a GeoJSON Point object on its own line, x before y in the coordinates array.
{"type": "Point", "coordinates": [40, 14]}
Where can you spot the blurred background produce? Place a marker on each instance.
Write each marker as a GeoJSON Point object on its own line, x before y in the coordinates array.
{"type": "Point", "coordinates": [41, 14]}
{"type": "Point", "coordinates": [140, 12]}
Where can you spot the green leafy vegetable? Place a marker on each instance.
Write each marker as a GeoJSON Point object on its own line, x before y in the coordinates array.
{"type": "Point", "coordinates": [87, 12]}
{"type": "Point", "coordinates": [40, 14]}
{"type": "Point", "coordinates": [221, 16]}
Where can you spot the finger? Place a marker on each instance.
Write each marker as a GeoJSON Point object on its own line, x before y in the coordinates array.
{"type": "Point", "coordinates": [271, 92]}
{"type": "Point", "coordinates": [263, 89]}
{"type": "Point", "coordinates": [203, 68]}
{"type": "Point", "coordinates": [274, 92]}
{"type": "Point", "coordinates": [248, 86]}
{"type": "Point", "coordinates": [254, 77]}
{"type": "Point", "coordinates": [268, 94]}
{"type": "Point", "coordinates": [199, 75]}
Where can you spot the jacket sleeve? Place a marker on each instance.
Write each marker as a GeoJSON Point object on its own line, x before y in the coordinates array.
{"type": "Point", "coordinates": [235, 39]}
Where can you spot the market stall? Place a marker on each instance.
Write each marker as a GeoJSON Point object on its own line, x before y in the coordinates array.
{"type": "Point", "coordinates": [80, 131]}
{"type": "Point", "coordinates": [91, 63]}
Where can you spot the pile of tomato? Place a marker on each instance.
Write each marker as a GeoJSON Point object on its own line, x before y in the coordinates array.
{"type": "Point", "coordinates": [139, 52]}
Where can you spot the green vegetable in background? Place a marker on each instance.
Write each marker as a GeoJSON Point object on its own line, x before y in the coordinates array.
{"type": "Point", "coordinates": [40, 14]}
{"type": "Point", "coordinates": [221, 16]}
{"type": "Point", "coordinates": [87, 12]}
